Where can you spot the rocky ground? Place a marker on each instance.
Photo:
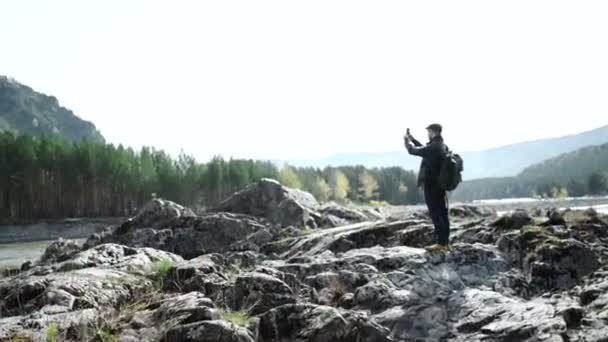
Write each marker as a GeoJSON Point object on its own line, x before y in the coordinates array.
{"type": "Point", "coordinates": [272, 265]}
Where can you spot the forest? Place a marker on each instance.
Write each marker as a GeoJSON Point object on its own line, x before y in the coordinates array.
{"type": "Point", "coordinates": [49, 177]}
{"type": "Point", "coordinates": [581, 172]}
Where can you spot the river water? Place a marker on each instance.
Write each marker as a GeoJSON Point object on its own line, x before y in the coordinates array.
{"type": "Point", "coordinates": [15, 254]}
{"type": "Point", "coordinates": [23, 242]}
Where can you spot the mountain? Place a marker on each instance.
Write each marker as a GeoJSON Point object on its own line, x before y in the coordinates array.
{"type": "Point", "coordinates": [25, 111]}
{"type": "Point", "coordinates": [570, 171]}
{"type": "Point", "coordinates": [511, 159]}
{"type": "Point", "coordinates": [501, 161]}
{"type": "Point", "coordinates": [577, 165]}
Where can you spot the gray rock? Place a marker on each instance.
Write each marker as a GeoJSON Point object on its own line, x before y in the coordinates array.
{"type": "Point", "coordinates": [515, 220]}
{"type": "Point", "coordinates": [31, 303]}
{"type": "Point", "coordinates": [133, 260]}
{"type": "Point", "coordinates": [158, 320]}
{"type": "Point", "coordinates": [258, 292]}
{"type": "Point", "coordinates": [502, 280]}
{"type": "Point", "coordinates": [334, 215]}
{"type": "Point", "coordinates": [59, 251]}
{"type": "Point", "coordinates": [159, 213]}
{"type": "Point", "coordinates": [206, 274]}
{"type": "Point", "coordinates": [312, 323]}
{"type": "Point", "coordinates": [417, 236]}
{"type": "Point", "coordinates": [208, 331]}
{"type": "Point", "coordinates": [280, 205]}
{"type": "Point", "coordinates": [555, 217]}
{"type": "Point", "coordinates": [548, 261]}
{"type": "Point", "coordinates": [190, 236]}
{"type": "Point", "coordinates": [342, 239]}
{"type": "Point", "coordinates": [330, 221]}
{"type": "Point", "coordinates": [471, 211]}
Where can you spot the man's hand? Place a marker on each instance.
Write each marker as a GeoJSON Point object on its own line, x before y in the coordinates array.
{"type": "Point", "coordinates": [406, 140]}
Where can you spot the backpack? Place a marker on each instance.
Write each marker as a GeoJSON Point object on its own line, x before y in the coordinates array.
{"type": "Point", "coordinates": [450, 174]}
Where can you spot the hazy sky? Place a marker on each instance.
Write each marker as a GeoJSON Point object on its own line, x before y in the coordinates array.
{"type": "Point", "coordinates": [290, 80]}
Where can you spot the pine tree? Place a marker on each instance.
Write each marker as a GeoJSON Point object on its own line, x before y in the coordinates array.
{"type": "Point", "coordinates": [597, 183]}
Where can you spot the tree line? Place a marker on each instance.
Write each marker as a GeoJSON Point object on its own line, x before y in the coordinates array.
{"type": "Point", "coordinates": [48, 177]}
{"type": "Point", "coordinates": [595, 184]}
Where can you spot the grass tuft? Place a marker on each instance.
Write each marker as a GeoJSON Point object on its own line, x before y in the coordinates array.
{"type": "Point", "coordinates": [161, 271]}
{"type": "Point", "coordinates": [240, 317]}
{"type": "Point", "coordinates": [51, 333]}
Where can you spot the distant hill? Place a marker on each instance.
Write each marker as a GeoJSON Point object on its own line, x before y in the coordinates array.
{"type": "Point", "coordinates": [25, 111]}
{"type": "Point", "coordinates": [511, 159]}
{"type": "Point", "coordinates": [576, 165]}
{"type": "Point", "coordinates": [569, 171]}
{"type": "Point", "coordinates": [501, 161]}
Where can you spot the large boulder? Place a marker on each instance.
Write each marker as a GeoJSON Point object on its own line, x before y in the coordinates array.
{"type": "Point", "coordinates": [560, 264]}
{"type": "Point", "coordinates": [133, 260]}
{"type": "Point", "coordinates": [159, 213]}
{"type": "Point", "coordinates": [59, 251]}
{"type": "Point", "coordinates": [335, 215]}
{"type": "Point", "coordinates": [515, 220]}
{"type": "Point", "coordinates": [550, 261]}
{"type": "Point", "coordinates": [280, 205]}
{"type": "Point", "coordinates": [191, 236]}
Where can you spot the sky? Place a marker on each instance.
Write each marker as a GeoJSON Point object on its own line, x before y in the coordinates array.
{"type": "Point", "coordinates": [307, 79]}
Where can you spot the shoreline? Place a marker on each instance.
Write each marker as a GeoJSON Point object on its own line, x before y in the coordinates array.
{"type": "Point", "coordinates": [52, 230]}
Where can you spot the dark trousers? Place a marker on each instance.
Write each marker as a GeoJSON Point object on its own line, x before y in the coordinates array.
{"type": "Point", "coordinates": [436, 201]}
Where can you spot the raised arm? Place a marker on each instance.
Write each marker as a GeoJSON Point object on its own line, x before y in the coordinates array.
{"type": "Point", "coordinates": [415, 142]}
{"type": "Point", "coordinates": [422, 151]}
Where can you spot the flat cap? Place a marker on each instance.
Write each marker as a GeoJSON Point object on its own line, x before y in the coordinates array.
{"type": "Point", "coordinates": [435, 127]}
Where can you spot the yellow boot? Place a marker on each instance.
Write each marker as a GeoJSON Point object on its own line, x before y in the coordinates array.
{"type": "Point", "coordinates": [438, 248]}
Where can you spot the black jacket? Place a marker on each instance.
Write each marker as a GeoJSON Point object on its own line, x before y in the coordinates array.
{"type": "Point", "coordinates": [431, 154]}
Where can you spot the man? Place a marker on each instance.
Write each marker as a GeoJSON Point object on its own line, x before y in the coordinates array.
{"type": "Point", "coordinates": [428, 177]}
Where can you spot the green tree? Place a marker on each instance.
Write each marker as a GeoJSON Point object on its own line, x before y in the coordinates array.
{"type": "Point", "coordinates": [597, 183]}
{"type": "Point", "coordinates": [339, 185]}
{"type": "Point", "coordinates": [559, 192]}
{"type": "Point", "coordinates": [289, 177]}
{"type": "Point", "coordinates": [321, 190]}
{"type": "Point", "coordinates": [576, 188]}
{"type": "Point", "coordinates": [368, 186]}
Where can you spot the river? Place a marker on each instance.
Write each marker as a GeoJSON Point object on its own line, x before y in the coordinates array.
{"type": "Point", "coordinates": [22, 242]}
{"type": "Point", "coordinates": [14, 254]}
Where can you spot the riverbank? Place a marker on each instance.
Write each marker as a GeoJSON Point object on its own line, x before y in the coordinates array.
{"type": "Point", "coordinates": [73, 228]}
{"type": "Point", "coordinates": [599, 203]}
{"type": "Point", "coordinates": [13, 255]}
